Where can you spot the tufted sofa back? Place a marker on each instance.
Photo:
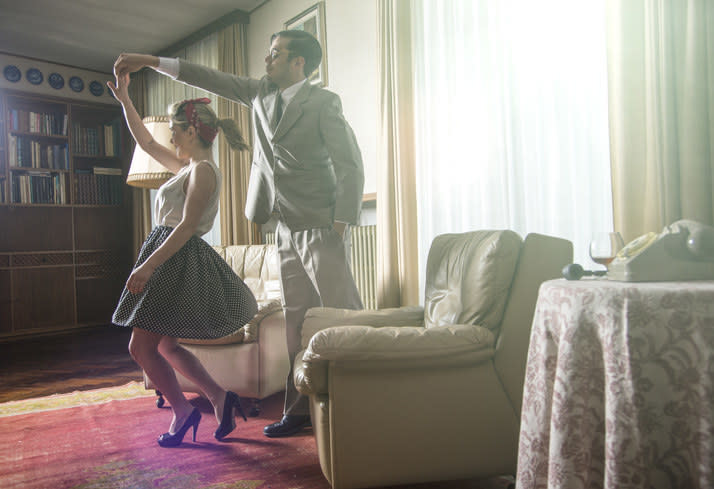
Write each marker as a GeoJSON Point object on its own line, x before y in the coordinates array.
{"type": "Point", "coordinates": [258, 266]}
{"type": "Point", "coordinates": [468, 277]}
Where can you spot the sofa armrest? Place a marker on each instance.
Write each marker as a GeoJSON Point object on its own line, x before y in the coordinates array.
{"type": "Point", "coordinates": [320, 318]}
{"type": "Point", "coordinates": [252, 327]}
{"type": "Point", "coordinates": [390, 347]}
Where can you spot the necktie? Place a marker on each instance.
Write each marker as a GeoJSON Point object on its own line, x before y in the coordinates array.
{"type": "Point", "coordinates": [278, 112]}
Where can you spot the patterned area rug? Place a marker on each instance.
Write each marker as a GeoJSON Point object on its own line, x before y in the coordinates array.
{"type": "Point", "coordinates": [132, 390]}
{"type": "Point", "coordinates": [106, 439]}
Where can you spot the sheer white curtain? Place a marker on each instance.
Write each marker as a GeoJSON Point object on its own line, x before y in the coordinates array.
{"type": "Point", "coordinates": [512, 123]}
{"type": "Point", "coordinates": [162, 91]}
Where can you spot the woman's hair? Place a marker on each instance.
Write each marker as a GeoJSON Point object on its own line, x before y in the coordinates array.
{"type": "Point", "coordinates": [206, 122]}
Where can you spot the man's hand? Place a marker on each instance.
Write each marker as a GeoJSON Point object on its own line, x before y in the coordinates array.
{"type": "Point", "coordinates": [130, 62]}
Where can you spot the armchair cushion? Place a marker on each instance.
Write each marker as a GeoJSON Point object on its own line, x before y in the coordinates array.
{"type": "Point", "coordinates": [468, 277]}
{"type": "Point", "coordinates": [319, 318]}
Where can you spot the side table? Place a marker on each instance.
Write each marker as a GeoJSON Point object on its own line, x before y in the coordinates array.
{"type": "Point", "coordinates": [619, 387]}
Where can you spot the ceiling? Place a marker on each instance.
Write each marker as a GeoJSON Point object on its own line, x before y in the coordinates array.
{"type": "Point", "coordinates": [90, 34]}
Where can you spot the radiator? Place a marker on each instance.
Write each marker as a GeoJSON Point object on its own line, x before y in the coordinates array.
{"type": "Point", "coordinates": [364, 263]}
{"type": "Point", "coordinates": [363, 260]}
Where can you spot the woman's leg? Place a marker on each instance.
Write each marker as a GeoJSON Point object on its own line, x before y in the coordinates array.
{"type": "Point", "coordinates": [144, 349]}
{"type": "Point", "coordinates": [190, 367]}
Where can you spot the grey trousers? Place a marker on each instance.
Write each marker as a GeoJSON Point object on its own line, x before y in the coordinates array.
{"type": "Point", "coordinates": [314, 272]}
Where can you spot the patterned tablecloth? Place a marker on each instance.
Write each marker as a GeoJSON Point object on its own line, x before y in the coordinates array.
{"type": "Point", "coordinates": [619, 388]}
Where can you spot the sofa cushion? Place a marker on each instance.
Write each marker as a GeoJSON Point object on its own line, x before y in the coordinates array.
{"type": "Point", "coordinates": [258, 267]}
{"type": "Point", "coordinates": [468, 277]}
{"type": "Point", "coordinates": [220, 250]}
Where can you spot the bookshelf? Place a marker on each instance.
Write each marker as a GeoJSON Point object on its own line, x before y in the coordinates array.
{"type": "Point", "coordinates": [65, 240]}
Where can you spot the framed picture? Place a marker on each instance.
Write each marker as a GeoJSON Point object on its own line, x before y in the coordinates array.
{"type": "Point", "coordinates": [312, 20]}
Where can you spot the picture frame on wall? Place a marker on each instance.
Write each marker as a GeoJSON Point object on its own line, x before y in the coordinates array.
{"type": "Point", "coordinates": [312, 20]}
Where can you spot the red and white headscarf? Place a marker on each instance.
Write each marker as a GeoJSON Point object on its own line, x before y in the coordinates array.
{"type": "Point", "coordinates": [206, 132]}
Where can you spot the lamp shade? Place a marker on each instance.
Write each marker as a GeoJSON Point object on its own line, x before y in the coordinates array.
{"type": "Point", "coordinates": [145, 171]}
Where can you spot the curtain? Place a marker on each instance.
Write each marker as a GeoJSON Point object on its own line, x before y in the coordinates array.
{"type": "Point", "coordinates": [140, 197]}
{"type": "Point", "coordinates": [511, 119]}
{"type": "Point", "coordinates": [661, 84]}
{"type": "Point", "coordinates": [397, 277]}
{"type": "Point", "coordinates": [161, 91]}
{"type": "Point", "coordinates": [235, 227]}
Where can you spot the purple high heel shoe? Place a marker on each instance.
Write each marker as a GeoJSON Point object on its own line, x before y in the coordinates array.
{"type": "Point", "coordinates": [231, 408]}
{"type": "Point", "coordinates": [169, 440]}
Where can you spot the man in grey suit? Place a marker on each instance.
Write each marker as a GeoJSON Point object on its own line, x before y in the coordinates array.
{"type": "Point", "coordinates": [307, 171]}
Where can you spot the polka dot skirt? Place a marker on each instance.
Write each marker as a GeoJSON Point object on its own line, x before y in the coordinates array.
{"type": "Point", "coordinates": [194, 294]}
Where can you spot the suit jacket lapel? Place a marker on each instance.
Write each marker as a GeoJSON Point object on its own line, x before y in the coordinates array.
{"type": "Point", "coordinates": [293, 111]}
{"type": "Point", "coordinates": [265, 111]}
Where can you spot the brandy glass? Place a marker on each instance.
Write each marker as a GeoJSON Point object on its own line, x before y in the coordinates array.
{"type": "Point", "coordinates": [604, 247]}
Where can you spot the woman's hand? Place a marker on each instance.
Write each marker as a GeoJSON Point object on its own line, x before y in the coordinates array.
{"type": "Point", "coordinates": [121, 89]}
{"type": "Point", "coordinates": [138, 278]}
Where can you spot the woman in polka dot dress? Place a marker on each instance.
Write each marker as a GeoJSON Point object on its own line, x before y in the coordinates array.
{"type": "Point", "coordinates": [180, 287]}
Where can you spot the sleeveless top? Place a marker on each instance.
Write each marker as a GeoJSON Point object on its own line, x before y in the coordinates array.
{"type": "Point", "coordinates": [170, 199]}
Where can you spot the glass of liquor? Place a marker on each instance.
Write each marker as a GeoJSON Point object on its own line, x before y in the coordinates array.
{"type": "Point", "coordinates": [604, 247]}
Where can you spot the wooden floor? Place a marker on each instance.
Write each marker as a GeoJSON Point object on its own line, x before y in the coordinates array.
{"type": "Point", "coordinates": [81, 360]}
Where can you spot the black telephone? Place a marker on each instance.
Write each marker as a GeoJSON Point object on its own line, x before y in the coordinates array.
{"type": "Point", "coordinates": [684, 250]}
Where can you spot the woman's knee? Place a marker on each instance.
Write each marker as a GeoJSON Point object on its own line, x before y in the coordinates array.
{"type": "Point", "coordinates": [143, 344]}
{"type": "Point", "coordinates": [169, 346]}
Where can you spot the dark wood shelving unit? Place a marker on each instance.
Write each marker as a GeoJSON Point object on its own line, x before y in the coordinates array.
{"type": "Point", "coordinates": [65, 240]}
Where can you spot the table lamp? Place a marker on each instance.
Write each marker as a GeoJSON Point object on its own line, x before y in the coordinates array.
{"type": "Point", "coordinates": [145, 171]}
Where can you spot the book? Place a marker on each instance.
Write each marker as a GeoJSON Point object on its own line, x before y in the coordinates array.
{"type": "Point", "coordinates": [100, 170]}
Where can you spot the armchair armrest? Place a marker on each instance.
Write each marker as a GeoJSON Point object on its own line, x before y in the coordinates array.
{"type": "Point", "coordinates": [320, 318]}
{"type": "Point", "coordinates": [390, 347]}
{"type": "Point", "coordinates": [362, 343]}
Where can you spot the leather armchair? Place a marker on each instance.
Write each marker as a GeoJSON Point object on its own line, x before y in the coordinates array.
{"type": "Point", "coordinates": [417, 394]}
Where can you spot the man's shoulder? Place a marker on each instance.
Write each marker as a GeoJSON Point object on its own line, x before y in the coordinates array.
{"type": "Point", "coordinates": [324, 92]}
{"type": "Point", "coordinates": [323, 96]}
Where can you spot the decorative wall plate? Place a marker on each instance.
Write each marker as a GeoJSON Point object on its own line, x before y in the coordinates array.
{"type": "Point", "coordinates": [76, 84]}
{"type": "Point", "coordinates": [96, 88]}
{"type": "Point", "coordinates": [12, 73]}
{"type": "Point", "coordinates": [56, 80]}
{"type": "Point", "coordinates": [34, 76]}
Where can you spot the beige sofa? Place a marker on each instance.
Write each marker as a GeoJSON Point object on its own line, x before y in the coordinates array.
{"type": "Point", "coordinates": [431, 393]}
{"type": "Point", "coordinates": [253, 362]}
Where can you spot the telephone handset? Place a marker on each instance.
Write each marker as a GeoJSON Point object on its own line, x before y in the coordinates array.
{"type": "Point", "coordinates": [684, 250]}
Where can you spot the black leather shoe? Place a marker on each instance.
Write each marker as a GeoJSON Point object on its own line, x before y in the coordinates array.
{"type": "Point", "coordinates": [289, 425]}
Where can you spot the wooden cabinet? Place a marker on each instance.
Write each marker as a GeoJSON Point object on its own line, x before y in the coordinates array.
{"type": "Point", "coordinates": [65, 240]}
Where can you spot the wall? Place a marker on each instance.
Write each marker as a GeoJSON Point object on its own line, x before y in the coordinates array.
{"type": "Point", "coordinates": [61, 76]}
{"type": "Point", "coordinates": [351, 45]}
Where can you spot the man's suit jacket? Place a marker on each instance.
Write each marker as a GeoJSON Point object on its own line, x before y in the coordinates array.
{"type": "Point", "coordinates": [309, 167]}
